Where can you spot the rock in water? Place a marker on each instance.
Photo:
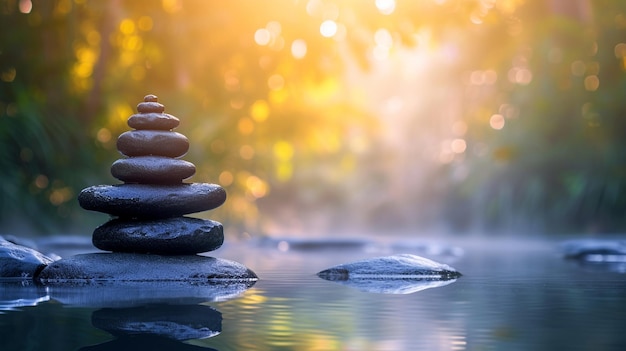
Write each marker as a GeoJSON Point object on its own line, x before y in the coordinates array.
{"type": "Point", "coordinates": [20, 262]}
{"type": "Point", "coordinates": [142, 267]}
{"type": "Point", "coordinates": [397, 274]}
{"type": "Point", "coordinates": [171, 236]}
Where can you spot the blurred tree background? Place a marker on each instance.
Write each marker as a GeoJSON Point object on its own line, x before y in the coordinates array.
{"type": "Point", "coordinates": [316, 116]}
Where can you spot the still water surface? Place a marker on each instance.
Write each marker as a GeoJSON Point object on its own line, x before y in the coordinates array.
{"type": "Point", "coordinates": [513, 295]}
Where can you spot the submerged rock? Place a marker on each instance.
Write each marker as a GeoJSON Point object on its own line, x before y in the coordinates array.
{"type": "Point", "coordinates": [397, 274]}
{"type": "Point", "coordinates": [18, 261]}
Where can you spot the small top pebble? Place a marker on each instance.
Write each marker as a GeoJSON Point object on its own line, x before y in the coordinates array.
{"type": "Point", "coordinates": [150, 104]}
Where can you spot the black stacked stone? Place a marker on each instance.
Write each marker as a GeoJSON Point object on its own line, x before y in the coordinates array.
{"type": "Point", "coordinates": [149, 207]}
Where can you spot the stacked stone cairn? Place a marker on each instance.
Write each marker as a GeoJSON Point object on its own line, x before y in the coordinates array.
{"type": "Point", "coordinates": [150, 206]}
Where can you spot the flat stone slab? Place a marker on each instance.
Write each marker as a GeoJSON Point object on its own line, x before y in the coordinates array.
{"type": "Point", "coordinates": [171, 236]}
{"type": "Point", "coordinates": [152, 170]}
{"type": "Point", "coordinates": [152, 142]}
{"type": "Point", "coordinates": [152, 201]}
{"type": "Point", "coordinates": [129, 267]}
{"type": "Point", "coordinates": [176, 322]}
{"type": "Point", "coordinates": [397, 274]}
{"type": "Point", "coordinates": [152, 120]}
{"type": "Point", "coordinates": [18, 261]}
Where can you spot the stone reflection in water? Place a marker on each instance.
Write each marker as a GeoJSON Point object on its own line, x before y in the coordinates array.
{"type": "Point", "coordinates": [132, 293]}
{"type": "Point", "coordinates": [15, 293]}
{"type": "Point", "coordinates": [161, 325]}
{"type": "Point", "coordinates": [397, 274]}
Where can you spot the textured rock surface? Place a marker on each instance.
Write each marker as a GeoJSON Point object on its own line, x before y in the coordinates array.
{"type": "Point", "coordinates": [152, 201]}
{"type": "Point", "coordinates": [20, 262]}
{"type": "Point", "coordinates": [92, 267]}
{"type": "Point", "coordinates": [152, 142]}
{"type": "Point", "coordinates": [176, 322]}
{"type": "Point", "coordinates": [155, 121]}
{"type": "Point", "coordinates": [173, 236]}
{"type": "Point", "coordinates": [398, 274]}
{"type": "Point", "coordinates": [152, 170]}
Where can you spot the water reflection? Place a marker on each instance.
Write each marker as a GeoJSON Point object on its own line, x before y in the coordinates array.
{"type": "Point", "coordinates": [161, 326]}
{"type": "Point", "coordinates": [394, 286]}
{"type": "Point", "coordinates": [15, 293]}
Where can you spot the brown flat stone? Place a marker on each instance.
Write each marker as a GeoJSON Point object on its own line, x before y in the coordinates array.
{"type": "Point", "coordinates": [152, 142]}
{"type": "Point", "coordinates": [150, 106]}
{"type": "Point", "coordinates": [152, 170]}
{"type": "Point", "coordinates": [155, 121]}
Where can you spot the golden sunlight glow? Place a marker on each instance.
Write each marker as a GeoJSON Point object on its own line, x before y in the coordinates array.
{"type": "Point", "coordinates": [245, 126]}
{"type": "Point", "coordinates": [260, 110]}
{"type": "Point", "coordinates": [262, 36]}
{"type": "Point", "coordinates": [225, 178]}
{"type": "Point", "coordinates": [246, 152]}
{"type": "Point", "coordinates": [103, 135]}
{"type": "Point", "coordinates": [283, 150]}
{"type": "Point", "coordinates": [386, 7]}
{"type": "Point", "coordinates": [328, 28]}
{"type": "Point", "coordinates": [298, 48]}
{"type": "Point", "coordinates": [276, 82]}
{"type": "Point", "coordinates": [256, 186]}
{"type": "Point", "coordinates": [458, 146]}
{"type": "Point", "coordinates": [496, 121]}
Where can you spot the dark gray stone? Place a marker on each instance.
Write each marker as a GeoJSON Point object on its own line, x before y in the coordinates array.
{"type": "Point", "coordinates": [152, 201]}
{"type": "Point", "coordinates": [397, 274]}
{"type": "Point", "coordinates": [155, 121]}
{"type": "Point", "coordinates": [128, 267]}
{"type": "Point", "coordinates": [152, 170]}
{"type": "Point", "coordinates": [152, 142]}
{"type": "Point", "coordinates": [176, 322]}
{"type": "Point", "coordinates": [20, 262]}
{"type": "Point", "coordinates": [172, 236]}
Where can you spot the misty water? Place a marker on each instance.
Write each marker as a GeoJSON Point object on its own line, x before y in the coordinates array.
{"type": "Point", "coordinates": [513, 295]}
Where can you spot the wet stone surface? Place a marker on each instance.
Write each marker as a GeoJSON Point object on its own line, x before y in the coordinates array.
{"type": "Point", "coordinates": [91, 267]}
{"type": "Point", "coordinates": [18, 261]}
{"type": "Point", "coordinates": [171, 236]}
{"type": "Point", "coordinates": [396, 274]}
{"type": "Point", "coordinates": [152, 201]}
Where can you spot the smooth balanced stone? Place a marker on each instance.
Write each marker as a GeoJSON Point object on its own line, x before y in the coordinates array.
{"type": "Point", "coordinates": [150, 104]}
{"type": "Point", "coordinates": [152, 170]}
{"type": "Point", "coordinates": [141, 268]}
{"type": "Point", "coordinates": [18, 261]}
{"type": "Point", "coordinates": [171, 236]}
{"type": "Point", "coordinates": [154, 121]}
{"type": "Point", "coordinates": [152, 201]}
{"type": "Point", "coordinates": [152, 142]}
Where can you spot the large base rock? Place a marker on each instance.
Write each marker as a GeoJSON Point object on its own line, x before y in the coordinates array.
{"type": "Point", "coordinates": [141, 267]}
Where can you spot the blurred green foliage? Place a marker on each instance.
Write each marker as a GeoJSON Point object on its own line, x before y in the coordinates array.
{"type": "Point", "coordinates": [274, 113]}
